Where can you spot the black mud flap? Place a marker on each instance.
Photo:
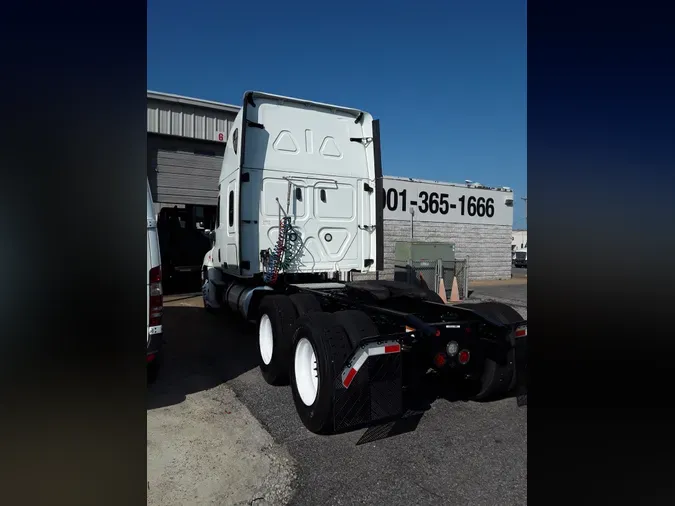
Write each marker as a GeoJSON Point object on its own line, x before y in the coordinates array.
{"type": "Point", "coordinates": [520, 344]}
{"type": "Point", "coordinates": [374, 395]}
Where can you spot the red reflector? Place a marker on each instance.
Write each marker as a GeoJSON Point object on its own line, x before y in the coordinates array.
{"type": "Point", "coordinates": [150, 357]}
{"type": "Point", "coordinates": [439, 360]}
{"type": "Point", "coordinates": [350, 376]}
{"type": "Point", "coordinates": [156, 310]}
{"type": "Point", "coordinates": [521, 332]}
{"type": "Point", "coordinates": [463, 357]}
{"type": "Point", "coordinates": [438, 332]}
{"type": "Point", "coordinates": [467, 330]}
{"type": "Point", "coordinates": [392, 348]}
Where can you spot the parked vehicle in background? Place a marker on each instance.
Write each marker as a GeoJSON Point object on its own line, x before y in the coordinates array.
{"type": "Point", "coordinates": [183, 245]}
{"type": "Point", "coordinates": [520, 257]}
{"type": "Point", "coordinates": [155, 302]}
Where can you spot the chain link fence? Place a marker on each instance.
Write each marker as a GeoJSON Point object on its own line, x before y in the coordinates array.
{"type": "Point", "coordinates": [460, 270]}
{"type": "Point", "coordinates": [429, 274]}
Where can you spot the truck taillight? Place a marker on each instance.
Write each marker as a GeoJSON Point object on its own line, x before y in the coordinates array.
{"type": "Point", "coordinates": [156, 300]}
{"type": "Point", "coordinates": [521, 332]}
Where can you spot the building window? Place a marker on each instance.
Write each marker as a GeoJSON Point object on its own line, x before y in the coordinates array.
{"type": "Point", "coordinates": [235, 140]}
{"type": "Point", "coordinates": [230, 206]}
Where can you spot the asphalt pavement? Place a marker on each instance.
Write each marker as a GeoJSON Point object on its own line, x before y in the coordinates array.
{"type": "Point", "coordinates": [519, 272]}
{"type": "Point", "coordinates": [456, 453]}
{"type": "Point", "coordinates": [510, 291]}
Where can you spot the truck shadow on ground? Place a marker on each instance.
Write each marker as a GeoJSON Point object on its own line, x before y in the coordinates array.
{"type": "Point", "coordinates": [416, 402]}
{"type": "Point", "coordinates": [201, 351]}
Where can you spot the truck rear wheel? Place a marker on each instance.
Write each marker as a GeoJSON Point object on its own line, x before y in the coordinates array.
{"type": "Point", "coordinates": [495, 310]}
{"type": "Point", "coordinates": [497, 379]}
{"type": "Point", "coordinates": [320, 348]}
{"type": "Point", "coordinates": [276, 318]}
{"type": "Point", "coordinates": [305, 303]}
{"type": "Point", "coordinates": [357, 325]}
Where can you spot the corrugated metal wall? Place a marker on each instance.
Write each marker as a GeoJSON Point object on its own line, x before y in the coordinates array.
{"type": "Point", "coordinates": [187, 121]}
{"type": "Point", "coordinates": [184, 171]}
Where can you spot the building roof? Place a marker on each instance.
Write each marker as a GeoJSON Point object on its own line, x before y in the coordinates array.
{"type": "Point", "coordinates": [444, 183]}
{"type": "Point", "coordinates": [197, 102]}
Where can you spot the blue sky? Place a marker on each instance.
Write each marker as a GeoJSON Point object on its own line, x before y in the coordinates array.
{"type": "Point", "coordinates": [448, 80]}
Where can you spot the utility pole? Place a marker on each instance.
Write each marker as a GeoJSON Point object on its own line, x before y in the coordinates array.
{"type": "Point", "coordinates": [525, 199]}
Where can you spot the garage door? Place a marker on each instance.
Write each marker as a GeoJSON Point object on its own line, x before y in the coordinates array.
{"type": "Point", "coordinates": [181, 171]}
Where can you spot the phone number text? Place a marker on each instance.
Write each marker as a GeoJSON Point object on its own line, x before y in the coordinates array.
{"type": "Point", "coordinates": [436, 203]}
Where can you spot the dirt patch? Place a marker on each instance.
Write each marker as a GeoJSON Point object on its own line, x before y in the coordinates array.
{"type": "Point", "coordinates": [204, 446]}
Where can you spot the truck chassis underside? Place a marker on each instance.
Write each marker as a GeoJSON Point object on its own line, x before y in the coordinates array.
{"type": "Point", "coordinates": [414, 328]}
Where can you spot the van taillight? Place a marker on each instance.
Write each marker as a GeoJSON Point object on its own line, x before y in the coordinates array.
{"type": "Point", "coordinates": [156, 299]}
{"type": "Point", "coordinates": [156, 274]}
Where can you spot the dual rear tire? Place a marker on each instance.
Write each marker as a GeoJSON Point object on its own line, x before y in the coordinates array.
{"type": "Point", "coordinates": [497, 380]}
{"type": "Point", "coordinates": [321, 347]}
{"type": "Point", "coordinates": [301, 344]}
{"type": "Point", "coordinates": [322, 343]}
{"type": "Point", "coordinates": [275, 333]}
{"type": "Point", "coordinates": [276, 324]}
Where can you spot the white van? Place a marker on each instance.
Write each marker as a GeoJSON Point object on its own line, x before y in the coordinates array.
{"type": "Point", "coordinates": [520, 257]}
{"type": "Point", "coordinates": [155, 303]}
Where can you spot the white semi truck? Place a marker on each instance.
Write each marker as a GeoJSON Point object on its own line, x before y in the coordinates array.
{"type": "Point", "coordinates": [300, 207]}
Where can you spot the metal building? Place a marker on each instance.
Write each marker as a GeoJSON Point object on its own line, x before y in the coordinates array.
{"type": "Point", "coordinates": [186, 142]}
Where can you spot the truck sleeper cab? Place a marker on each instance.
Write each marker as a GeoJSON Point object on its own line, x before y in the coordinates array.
{"type": "Point", "coordinates": [307, 170]}
{"type": "Point", "coordinates": [299, 207]}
